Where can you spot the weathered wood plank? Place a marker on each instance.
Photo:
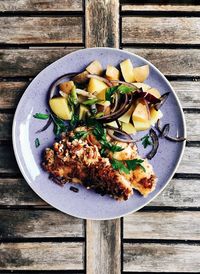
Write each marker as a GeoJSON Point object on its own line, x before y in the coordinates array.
{"type": "Point", "coordinates": [183, 225]}
{"type": "Point", "coordinates": [192, 122]}
{"type": "Point", "coordinates": [187, 91]}
{"type": "Point", "coordinates": [9, 165]}
{"type": "Point", "coordinates": [161, 30]}
{"type": "Point", "coordinates": [190, 162]}
{"type": "Point", "coordinates": [162, 7]}
{"type": "Point", "coordinates": [161, 257]}
{"type": "Point", "coordinates": [179, 62]}
{"type": "Point", "coordinates": [103, 246]}
{"type": "Point", "coordinates": [41, 256]}
{"type": "Point", "coordinates": [102, 23]}
{"type": "Point", "coordinates": [103, 241]}
{"type": "Point", "coordinates": [38, 5]}
{"type": "Point", "coordinates": [29, 62]}
{"type": "Point", "coordinates": [25, 30]}
{"type": "Point", "coordinates": [180, 193]}
{"type": "Point", "coordinates": [10, 93]}
{"type": "Point", "coordinates": [39, 224]}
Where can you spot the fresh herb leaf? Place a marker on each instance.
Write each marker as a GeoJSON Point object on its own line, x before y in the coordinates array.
{"type": "Point", "coordinates": [91, 102]}
{"type": "Point", "coordinates": [125, 89]}
{"type": "Point", "coordinates": [80, 134]}
{"type": "Point", "coordinates": [37, 142]}
{"type": "Point", "coordinates": [127, 165]}
{"type": "Point", "coordinates": [145, 141]}
{"type": "Point", "coordinates": [109, 92]}
{"type": "Point", "coordinates": [74, 120]}
{"type": "Point", "coordinates": [59, 125]}
{"type": "Point", "coordinates": [133, 164]}
{"type": "Point", "coordinates": [41, 116]}
{"type": "Point", "coordinates": [118, 165]}
{"type": "Point", "coordinates": [99, 114]}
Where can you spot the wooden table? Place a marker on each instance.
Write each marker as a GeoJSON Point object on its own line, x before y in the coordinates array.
{"type": "Point", "coordinates": [165, 235]}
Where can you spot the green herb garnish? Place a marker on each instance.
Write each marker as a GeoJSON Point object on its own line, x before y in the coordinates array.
{"type": "Point", "coordinates": [125, 89]}
{"type": "Point", "coordinates": [127, 165]}
{"type": "Point", "coordinates": [41, 116]}
{"type": "Point", "coordinates": [91, 102]}
{"type": "Point", "coordinates": [37, 142]}
{"type": "Point", "coordinates": [109, 93]}
{"type": "Point", "coordinates": [59, 125]}
{"type": "Point", "coordinates": [74, 120]}
{"type": "Point", "coordinates": [145, 141]}
{"type": "Point", "coordinates": [80, 135]}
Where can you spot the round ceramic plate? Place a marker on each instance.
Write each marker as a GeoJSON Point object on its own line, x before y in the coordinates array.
{"type": "Point", "coordinates": [86, 203]}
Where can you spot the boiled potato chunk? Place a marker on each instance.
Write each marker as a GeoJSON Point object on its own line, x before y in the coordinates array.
{"type": "Point", "coordinates": [112, 73]}
{"type": "Point", "coordinates": [113, 124]}
{"type": "Point", "coordinates": [127, 70]}
{"type": "Point", "coordinates": [155, 115]}
{"type": "Point", "coordinates": [83, 112]}
{"type": "Point", "coordinates": [141, 73]}
{"type": "Point", "coordinates": [60, 107]}
{"type": "Point", "coordinates": [144, 86]}
{"type": "Point", "coordinates": [141, 113]}
{"type": "Point", "coordinates": [101, 95]}
{"type": "Point", "coordinates": [154, 92]}
{"type": "Point", "coordinates": [66, 87]}
{"type": "Point", "coordinates": [140, 126]}
{"type": "Point", "coordinates": [81, 78]}
{"type": "Point", "coordinates": [128, 128]}
{"type": "Point", "coordinates": [95, 68]}
{"type": "Point", "coordinates": [96, 85]}
{"type": "Point", "coordinates": [125, 118]}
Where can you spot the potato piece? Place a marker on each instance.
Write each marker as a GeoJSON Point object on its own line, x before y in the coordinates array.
{"type": "Point", "coordinates": [66, 87]}
{"type": "Point", "coordinates": [140, 126]}
{"type": "Point", "coordinates": [112, 73]}
{"type": "Point", "coordinates": [125, 118]}
{"type": "Point", "coordinates": [101, 95]}
{"type": "Point", "coordinates": [128, 128]}
{"type": "Point", "coordinates": [144, 86]}
{"type": "Point", "coordinates": [81, 78]}
{"type": "Point", "coordinates": [154, 92]}
{"type": "Point", "coordinates": [141, 73]}
{"type": "Point", "coordinates": [113, 124]}
{"type": "Point", "coordinates": [95, 68]}
{"type": "Point", "coordinates": [155, 115]}
{"type": "Point", "coordinates": [83, 112]}
{"type": "Point", "coordinates": [60, 107]}
{"type": "Point", "coordinates": [127, 70]}
{"type": "Point", "coordinates": [141, 113]}
{"type": "Point", "coordinates": [96, 85]}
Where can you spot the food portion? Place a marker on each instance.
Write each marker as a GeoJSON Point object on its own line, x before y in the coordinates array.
{"type": "Point", "coordinates": [95, 114]}
{"type": "Point", "coordinates": [78, 158]}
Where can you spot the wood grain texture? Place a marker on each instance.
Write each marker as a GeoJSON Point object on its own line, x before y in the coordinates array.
{"type": "Point", "coordinates": [179, 193]}
{"type": "Point", "coordinates": [176, 62]}
{"type": "Point", "coordinates": [159, 7]}
{"type": "Point", "coordinates": [25, 30]}
{"type": "Point", "coordinates": [39, 224]}
{"type": "Point", "coordinates": [8, 163]}
{"type": "Point", "coordinates": [161, 30]}
{"type": "Point", "coordinates": [102, 18]}
{"type": "Point", "coordinates": [41, 256]}
{"type": "Point", "coordinates": [10, 93]}
{"type": "Point", "coordinates": [29, 62]}
{"type": "Point", "coordinates": [192, 122]}
{"type": "Point", "coordinates": [161, 257]}
{"type": "Point", "coordinates": [103, 246]}
{"type": "Point", "coordinates": [181, 225]}
{"type": "Point", "coordinates": [41, 5]}
{"type": "Point", "coordinates": [103, 241]}
{"type": "Point", "coordinates": [188, 92]}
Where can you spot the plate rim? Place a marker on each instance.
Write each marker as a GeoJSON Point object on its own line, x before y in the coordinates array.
{"type": "Point", "coordinates": [162, 188]}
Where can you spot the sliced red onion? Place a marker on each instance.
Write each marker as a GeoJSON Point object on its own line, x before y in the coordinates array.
{"type": "Point", "coordinates": [164, 132]}
{"type": "Point", "coordinates": [147, 96]}
{"type": "Point", "coordinates": [84, 93]}
{"type": "Point", "coordinates": [155, 144]}
{"type": "Point", "coordinates": [116, 98]}
{"type": "Point", "coordinates": [124, 83]}
{"type": "Point", "coordinates": [111, 130]}
{"type": "Point", "coordinates": [100, 79]}
{"type": "Point", "coordinates": [46, 126]}
{"type": "Point", "coordinates": [162, 99]}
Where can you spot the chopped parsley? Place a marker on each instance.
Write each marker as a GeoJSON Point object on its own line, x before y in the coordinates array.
{"type": "Point", "coordinates": [59, 125]}
{"type": "Point", "coordinates": [109, 93]}
{"type": "Point", "coordinates": [90, 102]}
{"type": "Point", "coordinates": [80, 134]}
{"type": "Point", "coordinates": [41, 116]}
{"type": "Point", "coordinates": [127, 165]}
{"type": "Point", "coordinates": [125, 89]}
{"type": "Point", "coordinates": [37, 142]}
{"type": "Point", "coordinates": [145, 141]}
{"type": "Point", "coordinates": [74, 121]}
